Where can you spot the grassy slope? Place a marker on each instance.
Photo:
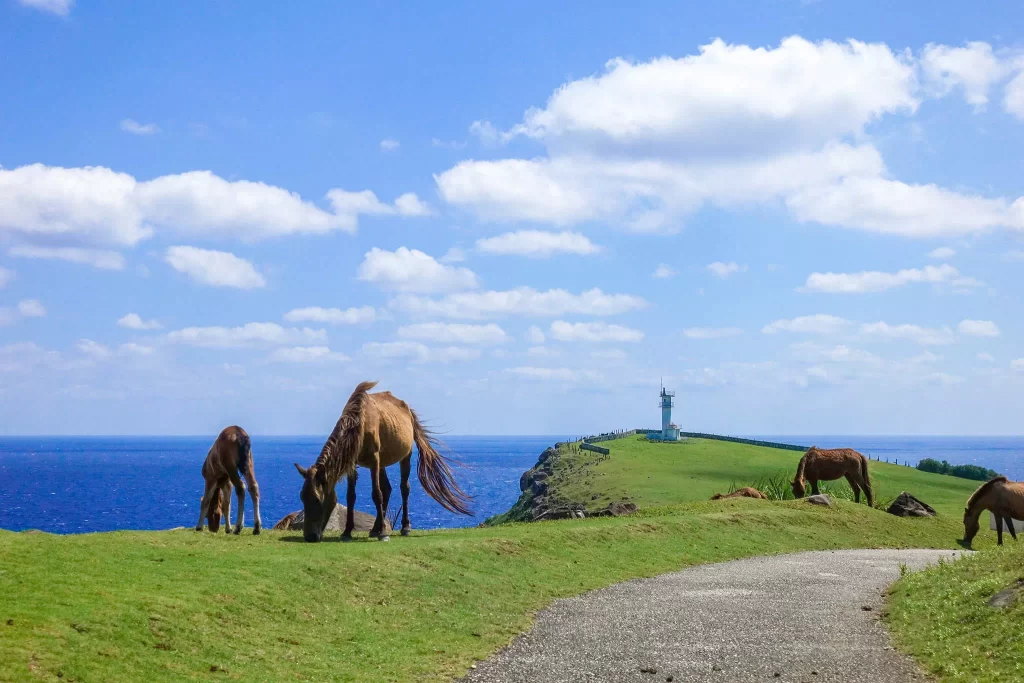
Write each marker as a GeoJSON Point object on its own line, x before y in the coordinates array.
{"type": "Point", "coordinates": [941, 616]}
{"type": "Point", "coordinates": [659, 474]}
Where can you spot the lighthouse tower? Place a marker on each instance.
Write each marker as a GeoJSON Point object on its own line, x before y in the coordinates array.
{"type": "Point", "coordinates": [669, 430]}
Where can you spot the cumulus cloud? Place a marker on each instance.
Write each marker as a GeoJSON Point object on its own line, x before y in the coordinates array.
{"type": "Point", "coordinates": [455, 333]}
{"type": "Point", "coordinates": [663, 272]}
{"type": "Point", "coordinates": [389, 145]}
{"type": "Point", "coordinates": [1013, 101]}
{"type": "Point", "coordinates": [724, 270]}
{"type": "Point", "coordinates": [133, 321]}
{"type": "Point", "coordinates": [306, 354]}
{"type": "Point", "coordinates": [809, 324]}
{"type": "Point", "coordinates": [556, 374]}
{"type": "Point", "coordinates": [214, 268]}
{"type": "Point", "coordinates": [248, 335]}
{"type": "Point", "coordinates": [942, 253]}
{"type": "Point", "coordinates": [711, 332]}
{"type": "Point", "coordinates": [418, 352]}
{"type": "Point", "coordinates": [913, 333]}
{"type": "Point", "coordinates": [26, 308]}
{"type": "Point", "coordinates": [973, 68]}
{"type": "Point", "coordinates": [538, 244]}
{"type": "Point", "coordinates": [522, 301]}
{"type": "Point", "coordinates": [978, 328]}
{"type": "Point", "coordinates": [136, 128]}
{"type": "Point", "coordinates": [644, 144]}
{"type": "Point", "coordinates": [97, 258]}
{"type": "Point", "coordinates": [332, 316]}
{"type": "Point", "coordinates": [454, 255]}
{"type": "Point", "coordinates": [534, 335]}
{"type": "Point", "coordinates": [593, 332]}
{"type": "Point", "coordinates": [876, 281]}
{"type": "Point", "coordinates": [6, 277]}
{"type": "Point", "coordinates": [61, 8]}
{"type": "Point", "coordinates": [411, 270]}
{"type": "Point", "coordinates": [98, 206]}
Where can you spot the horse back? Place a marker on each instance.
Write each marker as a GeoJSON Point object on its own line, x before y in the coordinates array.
{"type": "Point", "coordinates": [387, 422]}
{"type": "Point", "coordinates": [833, 463]}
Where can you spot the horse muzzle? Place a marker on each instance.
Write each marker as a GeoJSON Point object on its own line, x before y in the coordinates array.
{"type": "Point", "coordinates": [311, 538]}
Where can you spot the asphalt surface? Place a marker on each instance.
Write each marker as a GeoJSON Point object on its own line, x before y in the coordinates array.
{"type": "Point", "coordinates": [801, 617]}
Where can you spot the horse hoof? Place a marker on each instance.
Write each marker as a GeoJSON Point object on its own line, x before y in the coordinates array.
{"type": "Point", "coordinates": [405, 532]}
{"type": "Point", "coordinates": [256, 531]}
{"type": "Point", "coordinates": [384, 539]}
{"type": "Point", "coordinates": [238, 530]}
{"type": "Point", "coordinates": [199, 528]}
{"type": "Point", "coordinates": [346, 538]}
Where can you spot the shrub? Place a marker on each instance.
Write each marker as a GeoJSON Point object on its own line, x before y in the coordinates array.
{"type": "Point", "coordinates": [975, 472]}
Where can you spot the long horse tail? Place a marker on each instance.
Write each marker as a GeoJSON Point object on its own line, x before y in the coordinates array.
{"type": "Point", "coordinates": [244, 451]}
{"type": "Point", "coordinates": [434, 473]}
{"type": "Point", "coordinates": [867, 480]}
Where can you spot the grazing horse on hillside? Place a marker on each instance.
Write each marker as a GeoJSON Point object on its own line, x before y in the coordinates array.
{"type": "Point", "coordinates": [230, 459]}
{"type": "Point", "coordinates": [745, 492]}
{"type": "Point", "coordinates": [374, 431]}
{"type": "Point", "coordinates": [821, 464]}
{"type": "Point", "coordinates": [1002, 498]}
{"type": "Point", "coordinates": [215, 509]}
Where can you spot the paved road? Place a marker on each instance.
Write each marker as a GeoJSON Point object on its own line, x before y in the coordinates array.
{"type": "Point", "coordinates": [794, 617]}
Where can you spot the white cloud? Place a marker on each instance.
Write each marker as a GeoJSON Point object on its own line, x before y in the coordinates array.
{"type": "Point", "coordinates": [809, 324]}
{"type": "Point", "coordinates": [250, 334]}
{"type": "Point", "coordinates": [31, 308]}
{"type": "Point", "coordinates": [524, 301]}
{"type": "Point", "coordinates": [93, 349]}
{"type": "Point", "coordinates": [98, 206]}
{"type": "Point", "coordinates": [538, 244]}
{"type": "Point", "coordinates": [986, 357]}
{"type": "Point", "coordinates": [556, 374]}
{"type": "Point", "coordinates": [542, 352]}
{"type": "Point", "coordinates": [974, 68]}
{"type": "Point", "coordinates": [534, 335]}
{"type": "Point", "coordinates": [389, 145]}
{"type": "Point", "coordinates": [942, 253]}
{"type": "Point", "coordinates": [306, 354]}
{"type": "Point", "coordinates": [814, 352]}
{"type": "Point", "coordinates": [332, 316]}
{"type": "Point", "coordinates": [133, 321]}
{"type": "Point", "coordinates": [214, 268]}
{"type": "Point", "coordinates": [593, 332]}
{"type": "Point", "coordinates": [455, 333]}
{"type": "Point", "coordinates": [59, 7]}
{"type": "Point", "coordinates": [914, 333]}
{"type": "Point", "coordinates": [454, 255]}
{"type": "Point", "coordinates": [136, 128]}
{"type": "Point", "coordinates": [724, 270]}
{"type": "Point", "coordinates": [1013, 100]}
{"type": "Point", "coordinates": [876, 281]}
{"type": "Point", "coordinates": [135, 349]}
{"type": "Point", "coordinates": [608, 354]}
{"type": "Point", "coordinates": [1017, 364]}
{"type": "Point", "coordinates": [711, 332]}
{"type": "Point", "coordinates": [6, 277]}
{"type": "Point", "coordinates": [663, 272]}
{"type": "Point", "coordinates": [410, 270]}
{"type": "Point", "coordinates": [418, 352]}
{"type": "Point", "coordinates": [978, 328]}
{"type": "Point", "coordinates": [97, 258]}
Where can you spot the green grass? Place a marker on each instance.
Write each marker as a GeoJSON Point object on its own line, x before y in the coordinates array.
{"type": "Point", "coordinates": [941, 616]}
{"type": "Point", "coordinates": [179, 605]}
{"type": "Point", "coordinates": [660, 474]}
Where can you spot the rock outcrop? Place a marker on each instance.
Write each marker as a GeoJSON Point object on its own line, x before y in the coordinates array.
{"type": "Point", "coordinates": [819, 499]}
{"type": "Point", "coordinates": [363, 521]}
{"type": "Point", "coordinates": [906, 505]}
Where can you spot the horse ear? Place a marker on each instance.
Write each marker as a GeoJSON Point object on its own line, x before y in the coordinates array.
{"type": "Point", "coordinates": [302, 470]}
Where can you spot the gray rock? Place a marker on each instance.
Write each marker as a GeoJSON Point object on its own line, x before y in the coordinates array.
{"type": "Point", "coordinates": [906, 505]}
{"type": "Point", "coordinates": [820, 499]}
{"type": "Point", "coordinates": [363, 521]}
{"type": "Point", "coordinates": [617, 509]}
{"type": "Point", "coordinates": [1007, 596]}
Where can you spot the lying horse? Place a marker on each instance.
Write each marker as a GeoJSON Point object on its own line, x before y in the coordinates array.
{"type": "Point", "coordinates": [745, 492]}
{"type": "Point", "coordinates": [229, 457]}
{"type": "Point", "coordinates": [1002, 498]}
{"type": "Point", "coordinates": [374, 431]}
{"type": "Point", "coordinates": [819, 464]}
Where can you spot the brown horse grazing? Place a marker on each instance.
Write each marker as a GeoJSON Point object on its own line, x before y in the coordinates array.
{"type": "Point", "coordinates": [820, 464]}
{"type": "Point", "coordinates": [215, 510]}
{"type": "Point", "coordinates": [745, 492]}
{"type": "Point", "coordinates": [1002, 498]}
{"type": "Point", "coordinates": [374, 431]}
{"type": "Point", "coordinates": [229, 457]}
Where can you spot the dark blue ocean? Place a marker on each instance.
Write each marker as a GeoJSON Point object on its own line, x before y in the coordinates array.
{"type": "Point", "coordinates": [76, 484]}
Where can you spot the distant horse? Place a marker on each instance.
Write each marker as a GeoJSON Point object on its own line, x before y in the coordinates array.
{"type": "Point", "coordinates": [229, 457]}
{"type": "Point", "coordinates": [1002, 498]}
{"type": "Point", "coordinates": [374, 431]}
{"type": "Point", "coordinates": [820, 464]}
{"type": "Point", "coordinates": [745, 492]}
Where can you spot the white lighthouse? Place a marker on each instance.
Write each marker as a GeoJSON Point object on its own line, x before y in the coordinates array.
{"type": "Point", "coordinates": [669, 430]}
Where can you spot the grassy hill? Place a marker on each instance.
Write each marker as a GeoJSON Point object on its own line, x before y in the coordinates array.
{"type": "Point", "coordinates": [179, 605]}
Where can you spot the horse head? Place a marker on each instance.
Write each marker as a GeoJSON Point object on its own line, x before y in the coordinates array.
{"type": "Point", "coordinates": [318, 501]}
{"type": "Point", "coordinates": [971, 526]}
{"type": "Point", "coordinates": [214, 512]}
{"type": "Point", "coordinates": [798, 488]}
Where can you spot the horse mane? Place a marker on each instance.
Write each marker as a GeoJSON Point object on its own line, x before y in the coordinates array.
{"type": "Point", "coordinates": [340, 453]}
{"type": "Point", "coordinates": [983, 489]}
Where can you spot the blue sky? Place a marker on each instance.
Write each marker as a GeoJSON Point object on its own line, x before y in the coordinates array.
{"type": "Point", "coordinates": [519, 218]}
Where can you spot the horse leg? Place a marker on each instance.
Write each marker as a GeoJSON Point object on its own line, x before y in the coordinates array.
{"type": "Point", "coordinates": [406, 466]}
{"type": "Point", "coordinates": [853, 485]}
{"type": "Point", "coordinates": [350, 500]}
{"type": "Point", "coordinates": [225, 501]}
{"type": "Point", "coordinates": [385, 490]}
{"type": "Point", "coordinates": [999, 528]}
{"type": "Point", "coordinates": [378, 497]}
{"type": "Point", "coordinates": [814, 487]}
{"type": "Point", "coordinates": [1009, 527]}
{"type": "Point", "coordinates": [240, 492]}
{"type": "Point", "coordinates": [204, 504]}
{"type": "Point", "coordinates": [254, 493]}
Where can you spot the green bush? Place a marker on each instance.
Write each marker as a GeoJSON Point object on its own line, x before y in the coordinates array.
{"type": "Point", "coordinates": [975, 472]}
